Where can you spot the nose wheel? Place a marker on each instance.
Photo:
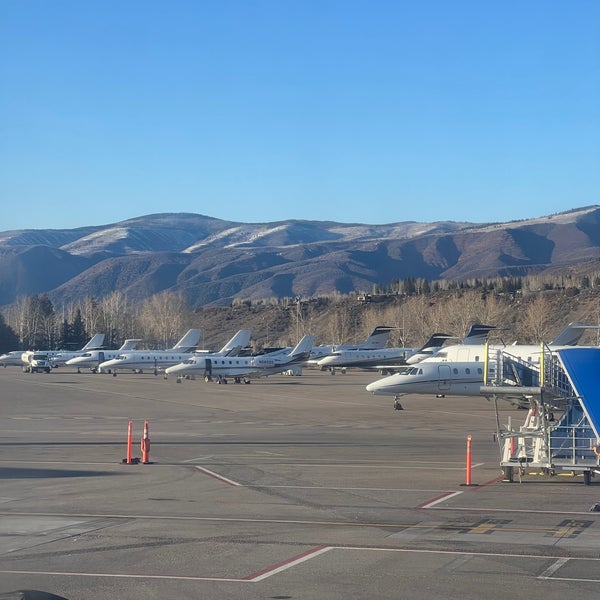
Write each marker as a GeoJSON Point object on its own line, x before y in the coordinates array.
{"type": "Point", "coordinates": [397, 405]}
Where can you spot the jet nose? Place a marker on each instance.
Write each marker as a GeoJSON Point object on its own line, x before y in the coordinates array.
{"type": "Point", "coordinates": [373, 387]}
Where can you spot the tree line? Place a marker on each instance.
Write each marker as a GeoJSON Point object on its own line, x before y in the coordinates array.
{"type": "Point", "coordinates": [530, 309]}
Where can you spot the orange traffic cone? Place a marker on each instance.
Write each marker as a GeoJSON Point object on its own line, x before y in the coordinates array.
{"type": "Point", "coordinates": [145, 445]}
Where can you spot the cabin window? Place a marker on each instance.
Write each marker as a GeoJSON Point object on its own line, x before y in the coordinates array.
{"type": "Point", "coordinates": [455, 371]}
{"type": "Point", "coordinates": [479, 371]}
{"type": "Point", "coordinates": [468, 371]}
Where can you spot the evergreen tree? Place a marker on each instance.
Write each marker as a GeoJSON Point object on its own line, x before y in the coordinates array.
{"type": "Point", "coordinates": [8, 338]}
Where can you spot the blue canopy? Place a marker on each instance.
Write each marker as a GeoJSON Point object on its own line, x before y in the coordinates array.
{"type": "Point", "coordinates": [582, 366]}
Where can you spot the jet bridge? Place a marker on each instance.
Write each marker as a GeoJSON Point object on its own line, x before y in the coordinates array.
{"type": "Point", "coordinates": [561, 431]}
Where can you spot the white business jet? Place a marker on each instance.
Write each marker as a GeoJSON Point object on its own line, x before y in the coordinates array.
{"type": "Point", "coordinates": [378, 338]}
{"type": "Point", "coordinates": [12, 359]}
{"type": "Point", "coordinates": [459, 370]}
{"type": "Point", "coordinates": [245, 367]}
{"type": "Point", "coordinates": [155, 360]}
{"type": "Point", "coordinates": [58, 358]}
{"type": "Point", "coordinates": [93, 358]}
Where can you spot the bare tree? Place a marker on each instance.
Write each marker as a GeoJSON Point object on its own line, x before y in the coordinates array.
{"type": "Point", "coordinates": [119, 320]}
{"type": "Point", "coordinates": [162, 317]}
{"type": "Point", "coordinates": [535, 324]}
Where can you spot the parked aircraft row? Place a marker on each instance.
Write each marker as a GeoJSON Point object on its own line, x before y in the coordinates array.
{"type": "Point", "coordinates": [55, 357]}
{"type": "Point", "coordinates": [431, 369]}
{"type": "Point", "coordinates": [462, 369]}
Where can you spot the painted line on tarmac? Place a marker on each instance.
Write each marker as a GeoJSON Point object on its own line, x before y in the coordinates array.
{"type": "Point", "coordinates": [438, 499]}
{"type": "Point", "coordinates": [122, 575]}
{"type": "Point", "coordinates": [547, 574]}
{"type": "Point", "coordinates": [217, 476]}
{"type": "Point", "coordinates": [319, 550]}
{"type": "Point", "coordinates": [355, 489]}
{"type": "Point", "coordinates": [287, 564]}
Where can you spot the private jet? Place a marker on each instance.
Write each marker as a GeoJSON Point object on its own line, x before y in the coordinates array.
{"type": "Point", "coordinates": [155, 360]}
{"type": "Point", "coordinates": [93, 358]}
{"type": "Point", "coordinates": [461, 369]}
{"type": "Point", "coordinates": [56, 357]}
{"type": "Point", "coordinates": [244, 368]}
{"type": "Point", "coordinates": [377, 339]}
{"type": "Point", "coordinates": [59, 358]}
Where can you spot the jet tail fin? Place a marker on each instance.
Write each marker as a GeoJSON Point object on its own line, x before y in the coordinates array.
{"type": "Point", "coordinates": [435, 341]}
{"type": "Point", "coordinates": [431, 346]}
{"type": "Point", "coordinates": [571, 334]}
{"type": "Point", "coordinates": [303, 347]}
{"type": "Point", "coordinates": [130, 344]}
{"type": "Point", "coordinates": [377, 339]}
{"type": "Point", "coordinates": [240, 340]}
{"type": "Point", "coordinates": [188, 341]}
{"type": "Point", "coordinates": [95, 343]}
{"type": "Point", "coordinates": [477, 334]}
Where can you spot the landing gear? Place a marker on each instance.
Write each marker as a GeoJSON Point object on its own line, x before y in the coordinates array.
{"type": "Point", "coordinates": [397, 405]}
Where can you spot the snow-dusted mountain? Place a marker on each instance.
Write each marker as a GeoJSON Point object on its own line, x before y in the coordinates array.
{"type": "Point", "coordinates": [215, 261]}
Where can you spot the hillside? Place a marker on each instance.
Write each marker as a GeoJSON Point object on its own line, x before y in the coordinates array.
{"type": "Point", "coordinates": [214, 262]}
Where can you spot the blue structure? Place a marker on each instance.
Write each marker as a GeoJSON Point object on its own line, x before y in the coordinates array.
{"type": "Point", "coordinates": [562, 429]}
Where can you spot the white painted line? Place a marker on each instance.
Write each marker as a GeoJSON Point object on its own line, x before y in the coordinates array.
{"type": "Point", "coordinates": [442, 498]}
{"type": "Point", "coordinates": [571, 579]}
{"type": "Point", "coordinates": [547, 574]}
{"type": "Point", "coordinates": [321, 487]}
{"type": "Point", "coordinates": [122, 575]}
{"type": "Point", "coordinates": [287, 564]}
{"type": "Point", "coordinates": [278, 568]}
{"type": "Point", "coordinates": [217, 476]}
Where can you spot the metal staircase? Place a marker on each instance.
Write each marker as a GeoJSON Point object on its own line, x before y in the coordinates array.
{"type": "Point", "coordinates": [561, 432]}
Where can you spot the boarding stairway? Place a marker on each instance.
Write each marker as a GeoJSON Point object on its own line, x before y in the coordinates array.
{"type": "Point", "coordinates": [561, 431]}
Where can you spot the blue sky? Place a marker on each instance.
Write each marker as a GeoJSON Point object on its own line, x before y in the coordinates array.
{"type": "Point", "coordinates": [264, 110]}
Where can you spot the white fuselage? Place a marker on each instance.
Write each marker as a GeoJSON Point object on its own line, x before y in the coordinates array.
{"type": "Point", "coordinates": [93, 358]}
{"type": "Point", "coordinates": [365, 359]}
{"type": "Point", "coordinates": [144, 360]}
{"type": "Point", "coordinates": [12, 359]}
{"type": "Point", "coordinates": [454, 370]}
{"type": "Point", "coordinates": [437, 378]}
{"type": "Point", "coordinates": [235, 366]}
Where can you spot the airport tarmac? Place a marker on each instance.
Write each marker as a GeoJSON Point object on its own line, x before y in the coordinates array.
{"type": "Point", "coordinates": [286, 488]}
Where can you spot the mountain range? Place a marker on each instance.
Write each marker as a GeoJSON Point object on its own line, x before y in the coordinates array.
{"type": "Point", "coordinates": [213, 261]}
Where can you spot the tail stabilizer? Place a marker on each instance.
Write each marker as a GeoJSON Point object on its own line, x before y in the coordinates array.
{"type": "Point", "coordinates": [240, 340]}
{"type": "Point", "coordinates": [188, 342]}
{"type": "Point", "coordinates": [377, 339]}
{"type": "Point", "coordinates": [571, 334]}
{"type": "Point", "coordinates": [430, 347]}
{"type": "Point", "coordinates": [303, 347]}
{"type": "Point", "coordinates": [130, 344]}
{"type": "Point", "coordinates": [477, 334]}
{"type": "Point", "coordinates": [95, 343]}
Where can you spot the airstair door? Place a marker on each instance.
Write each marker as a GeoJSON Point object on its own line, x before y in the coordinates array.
{"type": "Point", "coordinates": [444, 375]}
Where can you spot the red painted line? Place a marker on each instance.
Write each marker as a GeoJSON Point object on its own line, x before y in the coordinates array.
{"type": "Point", "coordinates": [285, 563]}
{"type": "Point", "coordinates": [490, 482]}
